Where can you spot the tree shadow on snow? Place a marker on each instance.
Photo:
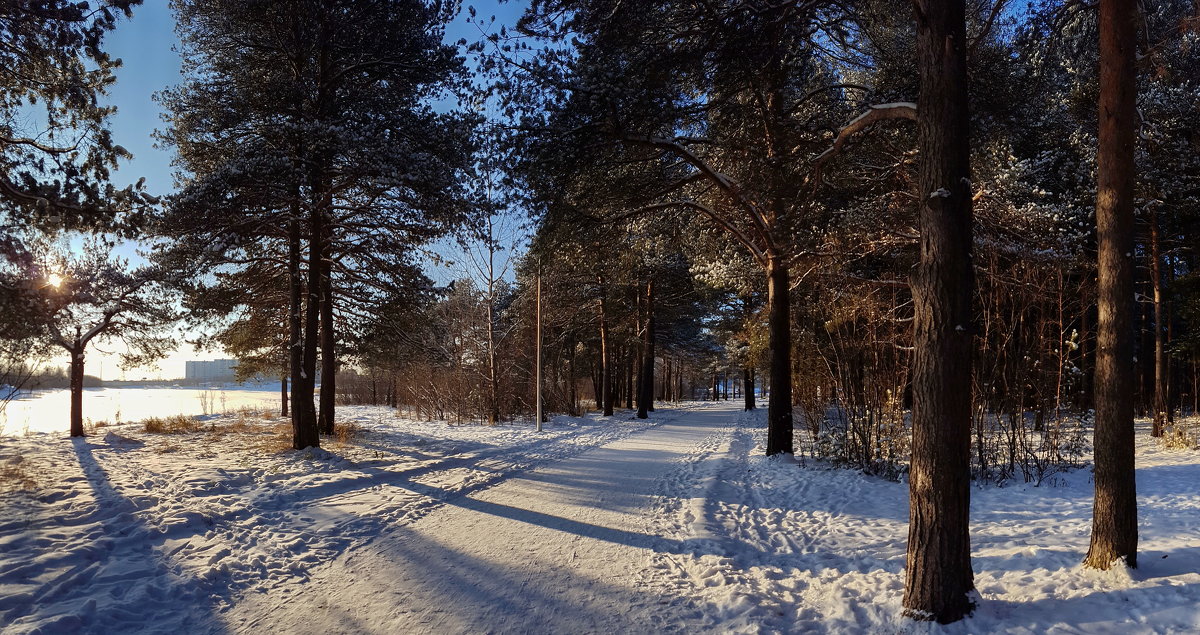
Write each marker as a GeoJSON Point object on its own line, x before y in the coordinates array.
{"type": "Point", "coordinates": [427, 587]}
{"type": "Point", "coordinates": [119, 583]}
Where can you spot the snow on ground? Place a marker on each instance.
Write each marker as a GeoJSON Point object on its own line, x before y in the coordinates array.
{"type": "Point", "coordinates": [678, 524]}
{"type": "Point", "coordinates": [124, 530]}
{"type": "Point", "coordinates": [779, 548]}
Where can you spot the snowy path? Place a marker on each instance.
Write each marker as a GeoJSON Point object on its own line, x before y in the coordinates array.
{"type": "Point", "coordinates": [596, 525]}
{"type": "Point", "coordinates": [131, 532]}
{"type": "Point", "coordinates": [559, 549]}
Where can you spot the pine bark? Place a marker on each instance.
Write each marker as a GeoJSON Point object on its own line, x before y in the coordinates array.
{"type": "Point", "coordinates": [1114, 515]}
{"type": "Point", "coordinates": [938, 576]}
{"type": "Point", "coordinates": [308, 432]}
{"type": "Point", "coordinates": [304, 416]}
{"type": "Point", "coordinates": [779, 404]}
{"type": "Point", "coordinates": [283, 396]}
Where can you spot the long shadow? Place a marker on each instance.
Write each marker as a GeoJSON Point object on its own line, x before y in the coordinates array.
{"type": "Point", "coordinates": [297, 499]}
{"type": "Point", "coordinates": [430, 588]}
{"type": "Point", "coordinates": [695, 547]}
{"type": "Point", "coordinates": [374, 475]}
{"type": "Point", "coordinates": [119, 582]}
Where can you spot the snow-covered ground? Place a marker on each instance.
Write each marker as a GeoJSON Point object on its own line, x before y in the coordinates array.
{"type": "Point", "coordinates": [677, 524]}
{"type": "Point", "coordinates": [782, 549]}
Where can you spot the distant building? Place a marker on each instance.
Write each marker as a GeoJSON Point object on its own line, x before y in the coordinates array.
{"type": "Point", "coordinates": [217, 370]}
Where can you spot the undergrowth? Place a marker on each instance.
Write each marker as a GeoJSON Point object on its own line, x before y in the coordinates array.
{"type": "Point", "coordinates": [16, 475]}
{"type": "Point", "coordinates": [177, 424]}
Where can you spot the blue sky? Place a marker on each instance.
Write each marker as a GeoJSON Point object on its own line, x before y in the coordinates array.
{"type": "Point", "coordinates": [146, 45]}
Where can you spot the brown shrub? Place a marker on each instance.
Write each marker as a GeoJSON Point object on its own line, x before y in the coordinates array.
{"type": "Point", "coordinates": [15, 475]}
{"type": "Point", "coordinates": [345, 432]}
{"type": "Point", "coordinates": [177, 424]}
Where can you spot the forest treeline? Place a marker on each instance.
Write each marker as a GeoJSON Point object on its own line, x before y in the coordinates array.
{"type": "Point", "coordinates": [884, 220]}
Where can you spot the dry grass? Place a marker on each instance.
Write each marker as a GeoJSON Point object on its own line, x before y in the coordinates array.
{"type": "Point", "coordinates": [90, 427]}
{"type": "Point", "coordinates": [277, 437]}
{"type": "Point", "coordinates": [240, 426]}
{"type": "Point", "coordinates": [345, 432]}
{"type": "Point", "coordinates": [16, 475]}
{"type": "Point", "coordinates": [178, 424]}
{"type": "Point", "coordinates": [1184, 434]}
{"type": "Point", "coordinates": [248, 412]}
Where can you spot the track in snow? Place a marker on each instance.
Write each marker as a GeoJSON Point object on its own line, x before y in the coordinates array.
{"type": "Point", "coordinates": [560, 549]}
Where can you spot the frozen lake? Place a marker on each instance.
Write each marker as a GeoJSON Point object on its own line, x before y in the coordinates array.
{"type": "Point", "coordinates": [49, 410]}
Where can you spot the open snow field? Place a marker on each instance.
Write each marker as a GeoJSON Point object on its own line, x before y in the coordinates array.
{"type": "Point", "coordinates": [596, 525]}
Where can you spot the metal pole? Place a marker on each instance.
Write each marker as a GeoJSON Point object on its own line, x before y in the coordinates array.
{"type": "Point", "coordinates": [538, 356]}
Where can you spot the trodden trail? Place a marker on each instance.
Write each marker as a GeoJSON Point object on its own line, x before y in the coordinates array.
{"type": "Point", "coordinates": [563, 548]}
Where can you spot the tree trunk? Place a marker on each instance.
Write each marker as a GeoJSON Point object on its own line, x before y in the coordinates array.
{"type": "Point", "coordinates": [325, 417]}
{"type": "Point", "coordinates": [938, 574]}
{"type": "Point", "coordinates": [304, 416]}
{"type": "Point", "coordinates": [1114, 515]}
{"type": "Point", "coordinates": [605, 362]}
{"type": "Point", "coordinates": [646, 392]}
{"type": "Point", "coordinates": [1144, 405]}
{"type": "Point", "coordinates": [1174, 368]}
{"type": "Point", "coordinates": [493, 376]}
{"type": "Point", "coordinates": [748, 387]}
{"type": "Point", "coordinates": [779, 322]}
{"type": "Point", "coordinates": [77, 392]}
{"type": "Point", "coordinates": [283, 396]}
{"type": "Point", "coordinates": [305, 413]}
{"type": "Point", "coordinates": [1161, 369]}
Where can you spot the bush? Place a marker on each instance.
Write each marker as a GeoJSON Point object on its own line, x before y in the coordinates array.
{"type": "Point", "coordinates": [178, 424]}
{"type": "Point", "coordinates": [16, 475]}
{"type": "Point", "coordinates": [1182, 435]}
{"type": "Point", "coordinates": [345, 432]}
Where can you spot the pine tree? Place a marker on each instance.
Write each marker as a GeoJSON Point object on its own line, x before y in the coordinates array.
{"type": "Point", "coordinates": [938, 574]}
{"type": "Point", "coordinates": [313, 119]}
{"type": "Point", "coordinates": [1114, 516]}
{"type": "Point", "coordinates": [712, 130]}
{"type": "Point", "coordinates": [54, 174]}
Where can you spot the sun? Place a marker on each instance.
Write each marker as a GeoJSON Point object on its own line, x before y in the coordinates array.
{"type": "Point", "coordinates": [54, 280]}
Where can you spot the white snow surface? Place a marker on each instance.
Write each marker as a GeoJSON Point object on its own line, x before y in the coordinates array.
{"type": "Point", "coordinates": [608, 525]}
